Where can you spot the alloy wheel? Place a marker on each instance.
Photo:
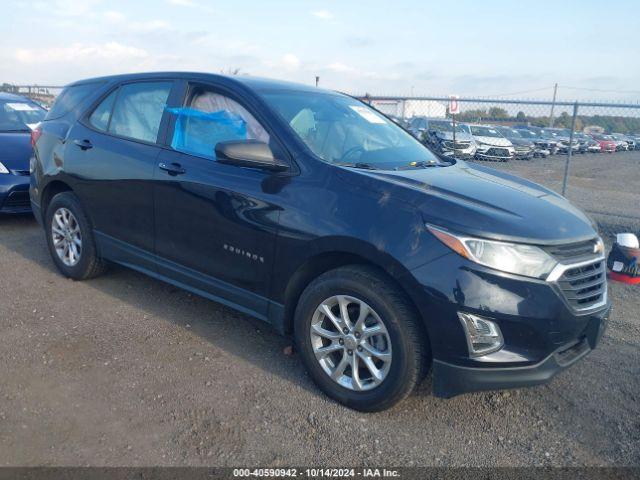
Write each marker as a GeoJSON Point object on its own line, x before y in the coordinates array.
{"type": "Point", "coordinates": [351, 343]}
{"type": "Point", "coordinates": [66, 236]}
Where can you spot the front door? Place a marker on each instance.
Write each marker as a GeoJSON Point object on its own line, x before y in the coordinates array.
{"type": "Point", "coordinates": [215, 223]}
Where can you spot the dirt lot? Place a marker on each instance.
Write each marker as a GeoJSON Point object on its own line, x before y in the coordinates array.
{"type": "Point", "coordinates": [126, 370]}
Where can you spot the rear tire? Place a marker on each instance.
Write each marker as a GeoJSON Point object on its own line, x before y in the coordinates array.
{"type": "Point", "coordinates": [403, 341]}
{"type": "Point", "coordinates": [70, 238]}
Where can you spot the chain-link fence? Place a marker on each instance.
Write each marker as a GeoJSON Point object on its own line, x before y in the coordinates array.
{"type": "Point", "coordinates": [43, 94]}
{"type": "Point", "coordinates": [589, 152]}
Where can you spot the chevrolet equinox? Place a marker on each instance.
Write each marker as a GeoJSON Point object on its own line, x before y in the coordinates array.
{"type": "Point", "coordinates": [318, 215]}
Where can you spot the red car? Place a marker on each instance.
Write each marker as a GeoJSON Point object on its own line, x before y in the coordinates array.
{"type": "Point", "coordinates": [607, 143]}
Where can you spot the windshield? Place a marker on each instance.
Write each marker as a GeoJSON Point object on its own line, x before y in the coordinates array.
{"type": "Point", "coordinates": [342, 130]}
{"type": "Point", "coordinates": [485, 131]}
{"type": "Point", "coordinates": [16, 115]}
{"type": "Point", "coordinates": [509, 132]}
{"type": "Point", "coordinates": [526, 133]}
{"type": "Point", "coordinates": [549, 134]}
{"type": "Point", "coordinates": [443, 126]}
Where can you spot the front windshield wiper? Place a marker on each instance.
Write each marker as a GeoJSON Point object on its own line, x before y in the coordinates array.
{"type": "Point", "coordinates": [362, 165]}
{"type": "Point", "coordinates": [420, 164]}
{"type": "Point", "coordinates": [15, 130]}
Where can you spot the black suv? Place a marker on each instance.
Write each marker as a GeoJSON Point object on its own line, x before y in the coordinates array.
{"type": "Point", "coordinates": [316, 214]}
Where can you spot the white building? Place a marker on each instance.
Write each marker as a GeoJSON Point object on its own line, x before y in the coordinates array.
{"type": "Point", "coordinates": [411, 108]}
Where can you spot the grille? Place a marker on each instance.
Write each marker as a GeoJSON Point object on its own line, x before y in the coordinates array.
{"type": "Point", "coordinates": [584, 287]}
{"type": "Point", "coordinates": [17, 200]}
{"type": "Point", "coordinates": [459, 145]}
{"type": "Point", "coordinates": [573, 252]}
{"type": "Point", "coordinates": [498, 152]}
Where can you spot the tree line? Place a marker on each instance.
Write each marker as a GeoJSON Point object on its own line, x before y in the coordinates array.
{"type": "Point", "coordinates": [610, 123]}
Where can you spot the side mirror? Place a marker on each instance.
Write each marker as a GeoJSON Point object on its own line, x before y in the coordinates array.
{"type": "Point", "coordinates": [248, 153]}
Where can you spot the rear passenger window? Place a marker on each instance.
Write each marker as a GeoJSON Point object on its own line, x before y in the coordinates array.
{"type": "Point", "coordinates": [69, 98]}
{"type": "Point", "coordinates": [138, 110]}
{"type": "Point", "coordinates": [100, 116]}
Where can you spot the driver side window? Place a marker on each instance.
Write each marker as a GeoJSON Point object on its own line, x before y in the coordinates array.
{"type": "Point", "coordinates": [209, 118]}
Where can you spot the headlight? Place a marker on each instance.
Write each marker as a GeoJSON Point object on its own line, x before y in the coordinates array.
{"type": "Point", "coordinates": [516, 258]}
{"type": "Point", "coordinates": [3, 169]}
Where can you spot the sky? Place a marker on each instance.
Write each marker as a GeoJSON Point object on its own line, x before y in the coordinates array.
{"type": "Point", "coordinates": [512, 49]}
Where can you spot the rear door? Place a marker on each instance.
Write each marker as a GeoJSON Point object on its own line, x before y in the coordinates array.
{"type": "Point", "coordinates": [113, 153]}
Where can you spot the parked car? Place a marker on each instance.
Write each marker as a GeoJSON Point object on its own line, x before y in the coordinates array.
{"type": "Point", "coordinates": [593, 146]}
{"type": "Point", "coordinates": [621, 142]}
{"type": "Point", "coordinates": [314, 213]}
{"type": "Point", "coordinates": [583, 141]}
{"type": "Point", "coordinates": [606, 142]}
{"type": "Point", "coordinates": [418, 126]}
{"type": "Point", "coordinates": [624, 141]}
{"type": "Point", "coordinates": [491, 145]}
{"type": "Point", "coordinates": [563, 138]}
{"type": "Point", "coordinates": [525, 149]}
{"type": "Point", "coordinates": [438, 135]}
{"type": "Point", "coordinates": [636, 141]}
{"type": "Point", "coordinates": [18, 115]}
{"type": "Point", "coordinates": [536, 134]}
{"type": "Point", "coordinates": [400, 121]}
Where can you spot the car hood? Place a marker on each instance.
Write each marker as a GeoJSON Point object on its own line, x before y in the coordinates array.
{"type": "Point", "coordinates": [521, 142]}
{"type": "Point", "coordinates": [498, 142]}
{"type": "Point", "coordinates": [465, 137]}
{"type": "Point", "coordinates": [539, 140]}
{"type": "Point", "coordinates": [15, 150]}
{"type": "Point", "coordinates": [481, 201]}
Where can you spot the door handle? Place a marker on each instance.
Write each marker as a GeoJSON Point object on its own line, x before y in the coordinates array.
{"type": "Point", "coordinates": [172, 169]}
{"type": "Point", "coordinates": [83, 144]}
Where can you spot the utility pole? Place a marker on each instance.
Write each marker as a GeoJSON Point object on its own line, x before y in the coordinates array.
{"type": "Point", "coordinates": [553, 104]}
{"type": "Point", "coordinates": [570, 151]}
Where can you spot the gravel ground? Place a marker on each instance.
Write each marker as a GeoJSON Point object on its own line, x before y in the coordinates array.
{"type": "Point", "coordinates": [126, 370]}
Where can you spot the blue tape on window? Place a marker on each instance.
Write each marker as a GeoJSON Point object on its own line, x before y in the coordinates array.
{"type": "Point", "coordinates": [197, 132]}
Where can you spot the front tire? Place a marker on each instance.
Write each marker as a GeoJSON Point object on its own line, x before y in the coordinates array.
{"type": "Point", "coordinates": [360, 338]}
{"type": "Point", "coordinates": [70, 238]}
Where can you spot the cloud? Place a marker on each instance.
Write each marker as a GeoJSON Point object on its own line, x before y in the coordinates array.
{"type": "Point", "coordinates": [290, 61]}
{"type": "Point", "coordinates": [148, 26]}
{"type": "Point", "coordinates": [322, 14]}
{"type": "Point", "coordinates": [79, 51]}
{"type": "Point", "coordinates": [113, 16]}
{"type": "Point", "coordinates": [182, 3]}
{"type": "Point", "coordinates": [67, 8]}
{"type": "Point", "coordinates": [342, 68]}
{"type": "Point", "coordinates": [359, 41]}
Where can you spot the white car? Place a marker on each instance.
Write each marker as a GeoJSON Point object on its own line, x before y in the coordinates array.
{"type": "Point", "coordinates": [491, 144]}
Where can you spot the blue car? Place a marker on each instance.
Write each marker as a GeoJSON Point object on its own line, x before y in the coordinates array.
{"type": "Point", "coordinates": [18, 115]}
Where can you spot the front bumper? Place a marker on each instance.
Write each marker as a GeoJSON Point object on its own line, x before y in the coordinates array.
{"type": "Point", "coordinates": [524, 154]}
{"type": "Point", "coordinates": [542, 152]}
{"type": "Point", "coordinates": [543, 334]}
{"type": "Point", "coordinates": [495, 153]}
{"type": "Point", "coordinates": [451, 380]}
{"type": "Point", "coordinates": [14, 194]}
{"type": "Point", "coordinates": [462, 151]}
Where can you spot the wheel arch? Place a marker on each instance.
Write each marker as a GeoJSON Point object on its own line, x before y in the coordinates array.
{"type": "Point", "coordinates": [51, 190]}
{"type": "Point", "coordinates": [325, 261]}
